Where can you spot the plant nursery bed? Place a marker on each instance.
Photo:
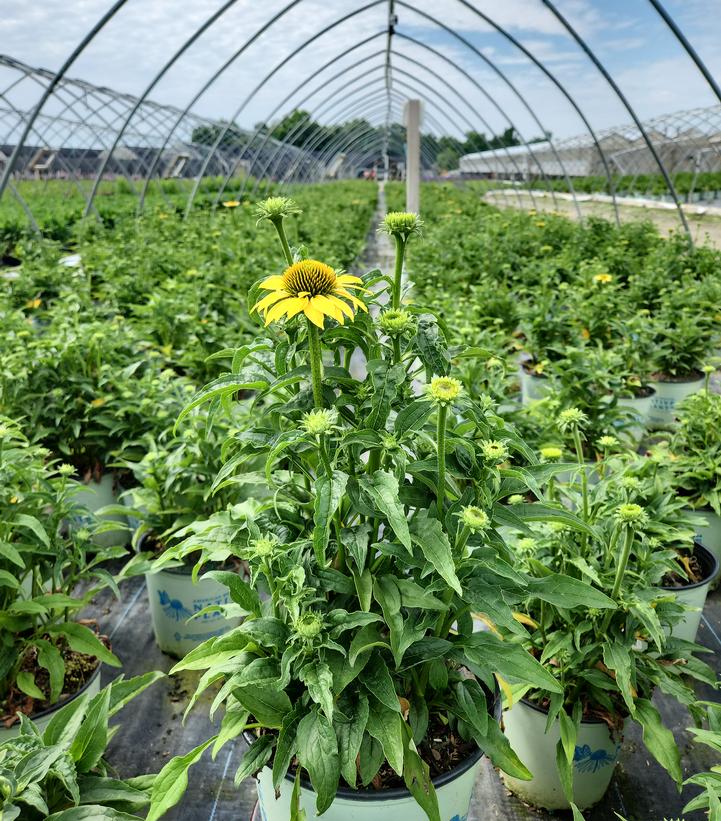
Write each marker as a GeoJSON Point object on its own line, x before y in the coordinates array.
{"type": "Point", "coordinates": [152, 732]}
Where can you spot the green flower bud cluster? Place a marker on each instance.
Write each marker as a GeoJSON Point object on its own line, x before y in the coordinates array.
{"type": "Point", "coordinates": [275, 209]}
{"type": "Point", "coordinates": [401, 224]}
{"type": "Point", "coordinates": [396, 322]}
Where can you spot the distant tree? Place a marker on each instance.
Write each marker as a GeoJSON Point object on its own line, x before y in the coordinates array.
{"type": "Point", "coordinates": [208, 135]}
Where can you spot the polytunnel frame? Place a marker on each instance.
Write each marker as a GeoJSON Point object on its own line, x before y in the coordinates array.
{"type": "Point", "coordinates": [50, 89]}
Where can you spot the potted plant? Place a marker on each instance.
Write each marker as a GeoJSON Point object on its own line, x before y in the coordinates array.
{"type": "Point", "coordinates": [69, 778]}
{"type": "Point", "coordinates": [175, 486]}
{"type": "Point", "coordinates": [634, 343]}
{"type": "Point", "coordinates": [607, 662]}
{"type": "Point", "coordinates": [684, 337]}
{"type": "Point", "coordinates": [695, 456]}
{"type": "Point", "coordinates": [47, 656]}
{"type": "Point", "coordinates": [379, 537]}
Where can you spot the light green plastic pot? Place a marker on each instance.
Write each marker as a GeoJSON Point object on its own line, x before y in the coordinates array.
{"type": "Point", "coordinates": [593, 762]}
{"type": "Point", "coordinates": [453, 789]}
{"type": "Point", "coordinates": [97, 495]}
{"type": "Point", "coordinates": [710, 536]}
{"type": "Point", "coordinates": [640, 407]}
{"type": "Point", "coordinates": [668, 395]}
{"type": "Point", "coordinates": [533, 387]}
{"type": "Point", "coordinates": [693, 596]}
{"type": "Point", "coordinates": [41, 720]}
{"type": "Point", "coordinates": [174, 598]}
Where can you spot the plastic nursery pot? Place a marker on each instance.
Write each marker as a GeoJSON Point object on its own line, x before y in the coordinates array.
{"type": "Point", "coordinates": [42, 719]}
{"type": "Point", "coordinates": [174, 598]}
{"type": "Point", "coordinates": [710, 536]}
{"type": "Point", "coordinates": [97, 495]}
{"type": "Point", "coordinates": [694, 595]}
{"type": "Point", "coordinates": [594, 759]}
{"type": "Point", "coordinates": [454, 790]}
{"type": "Point", "coordinates": [668, 396]}
{"type": "Point", "coordinates": [640, 407]}
{"type": "Point", "coordinates": [533, 387]}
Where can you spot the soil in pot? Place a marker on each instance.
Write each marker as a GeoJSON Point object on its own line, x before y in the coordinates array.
{"type": "Point", "coordinates": [79, 672]}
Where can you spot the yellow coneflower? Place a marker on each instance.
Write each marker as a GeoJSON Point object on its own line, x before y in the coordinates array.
{"type": "Point", "coordinates": [231, 204]}
{"type": "Point", "coordinates": [603, 279]}
{"type": "Point", "coordinates": [313, 288]}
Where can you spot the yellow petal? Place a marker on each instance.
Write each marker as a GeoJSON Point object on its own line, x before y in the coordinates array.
{"type": "Point", "coordinates": [268, 300]}
{"type": "Point", "coordinates": [347, 310]}
{"type": "Point", "coordinates": [315, 316]}
{"type": "Point", "coordinates": [273, 283]}
{"type": "Point", "coordinates": [294, 306]}
{"type": "Point", "coordinates": [352, 298]}
{"type": "Point", "coordinates": [324, 304]}
{"type": "Point", "coordinates": [348, 279]}
{"type": "Point", "coordinates": [276, 312]}
{"type": "Point", "coordinates": [489, 624]}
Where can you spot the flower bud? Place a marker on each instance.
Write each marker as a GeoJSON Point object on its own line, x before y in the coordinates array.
{"type": "Point", "coordinates": [444, 389]}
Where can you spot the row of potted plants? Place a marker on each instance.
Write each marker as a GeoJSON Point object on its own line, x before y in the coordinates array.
{"type": "Point", "coordinates": [358, 528]}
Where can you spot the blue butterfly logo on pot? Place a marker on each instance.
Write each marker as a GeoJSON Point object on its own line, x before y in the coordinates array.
{"type": "Point", "coordinates": [459, 818]}
{"type": "Point", "coordinates": [173, 608]}
{"type": "Point", "coordinates": [591, 761]}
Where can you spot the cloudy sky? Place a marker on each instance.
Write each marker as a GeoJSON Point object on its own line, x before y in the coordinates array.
{"type": "Point", "coordinates": [627, 35]}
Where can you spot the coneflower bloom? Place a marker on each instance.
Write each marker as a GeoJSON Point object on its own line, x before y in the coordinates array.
{"type": "Point", "coordinates": [313, 288]}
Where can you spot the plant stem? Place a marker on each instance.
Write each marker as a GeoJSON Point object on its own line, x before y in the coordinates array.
{"type": "Point", "coordinates": [316, 363]}
{"type": "Point", "coordinates": [278, 223]}
{"type": "Point", "coordinates": [620, 571]}
{"type": "Point", "coordinates": [396, 350]}
{"type": "Point", "coordinates": [441, 444]}
{"type": "Point", "coordinates": [398, 273]}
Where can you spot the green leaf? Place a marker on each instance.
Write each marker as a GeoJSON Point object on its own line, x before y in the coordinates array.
{"type": "Point", "coordinates": [412, 416]}
{"type": "Point", "coordinates": [92, 737]}
{"type": "Point", "coordinates": [429, 536]}
{"type": "Point", "coordinates": [365, 639]}
{"type": "Point", "coordinates": [26, 682]}
{"type": "Point", "coordinates": [413, 595]}
{"type": "Point", "coordinates": [232, 725]}
{"type": "Point", "coordinates": [328, 496]}
{"type": "Point", "coordinates": [240, 591]}
{"type": "Point", "coordinates": [51, 659]}
{"type": "Point", "coordinates": [386, 382]}
{"type": "Point", "coordinates": [377, 680]}
{"type": "Point", "coordinates": [66, 722]}
{"type": "Point", "coordinates": [565, 771]}
{"type": "Point", "coordinates": [496, 746]}
{"type": "Point", "coordinates": [386, 726]}
{"type": "Point", "coordinates": [370, 759]}
{"type": "Point", "coordinates": [123, 690]}
{"type": "Point", "coordinates": [256, 756]}
{"type": "Point", "coordinates": [286, 746]}
{"type": "Point", "coordinates": [83, 640]}
{"type": "Point", "coordinates": [417, 777]}
{"type": "Point", "coordinates": [172, 780]}
{"type": "Point", "coordinates": [267, 705]}
{"type": "Point", "coordinates": [658, 739]}
{"type": "Point", "coordinates": [568, 734]}
{"type": "Point", "coordinates": [567, 592]}
{"type": "Point", "coordinates": [431, 347]}
{"type": "Point", "coordinates": [318, 754]}
{"type": "Point", "coordinates": [472, 705]}
{"type": "Point", "coordinates": [364, 588]}
{"type": "Point", "coordinates": [508, 660]}
{"type": "Point", "coordinates": [32, 524]}
{"type": "Point", "coordinates": [222, 386]}
{"type": "Point", "coordinates": [617, 658]}
{"type": "Point", "coordinates": [382, 487]}
{"type": "Point", "coordinates": [349, 732]}
{"type": "Point", "coordinates": [318, 678]}
{"type": "Point", "coordinates": [537, 512]}
{"type": "Point", "coordinates": [91, 812]}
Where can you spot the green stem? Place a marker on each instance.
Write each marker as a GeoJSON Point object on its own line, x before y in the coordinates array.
{"type": "Point", "coordinates": [441, 443]}
{"type": "Point", "coordinates": [396, 350]}
{"type": "Point", "coordinates": [620, 571]}
{"type": "Point", "coordinates": [316, 363]}
{"type": "Point", "coordinates": [398, 273]}
{"type": "Point", "coordinates": [278, 223]}
{"type": "Point", "coordinates": [462, 540]}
